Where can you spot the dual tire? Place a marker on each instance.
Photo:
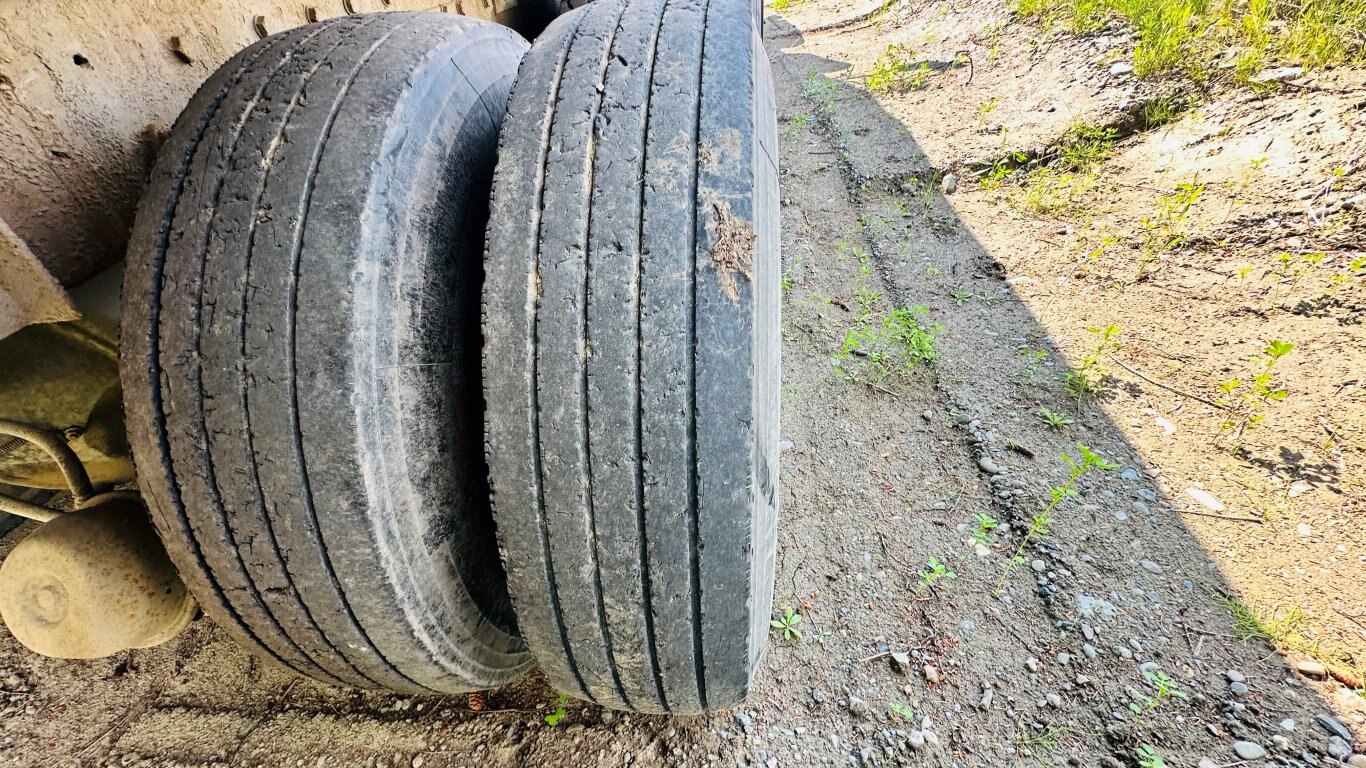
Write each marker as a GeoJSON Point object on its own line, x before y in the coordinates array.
{"type": "Point", "coordinates": [305, 306]}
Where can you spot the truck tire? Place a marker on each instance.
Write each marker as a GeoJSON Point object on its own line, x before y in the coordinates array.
{"type": "Point", "coordinates": [631, 338]}
{"type": "Point", "coordinates": [299, 351]}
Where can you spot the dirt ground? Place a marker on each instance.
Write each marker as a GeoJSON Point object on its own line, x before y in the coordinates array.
{"type": "Point", "coordinates": [1130, 584]}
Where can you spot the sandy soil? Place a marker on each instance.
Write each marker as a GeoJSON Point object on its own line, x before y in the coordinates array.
{"type": "Point", "coordinates": [878, 480]}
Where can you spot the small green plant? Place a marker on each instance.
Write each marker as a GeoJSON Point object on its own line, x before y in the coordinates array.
{"type": "Point", "coordinates": [1148, 757]}
{"type": "Point", "coordinates": [1052, 191]}
{"type": "Point", "coordinates": [960, 295]}
{"type": "Point", "coordinates": [553, 719]}
{"type": "Point", "coordinates": [986, 108]}
{"type": "Point", "coordinates": [1034, 360]}
{"type": "Point", "coordinates": [1296, 265]}
{"type": "Point", "coordinates": [1166, 229]}
{"type": "Point", "coordinates": [985, 524]}
{"type": "Point", "coordinates": [1160, 111]}
{"type": "Point", "coordinates": [820, 91]}
{"type": "Point", "coordinates": [879, 350]}
{"type": "Point", "coordinates": [1164, 688]}
{"type": "Point", "coordinates": [1087, 461]}
{"type": "Point", "coordinates": [1245, 399]}
{"type": "Point", "coordinates": [933, 572]}
{"type": "Point", "coordinates": [1088, 378]}
{"type": "Point", "coordinates": [902, 710]}
{"type": "Point", "coordinates": [780, 5]}
{"type": "Point", "coordinates": [895, 69]}
{"type": "Point", "coordinates": [797, 123]}
{"type": "Point", "coordinates": [1054, 420]}
{"type": "Point", "coordinates": [1086, 146]}
{"type": "Point", "coordinates": [788, 624]}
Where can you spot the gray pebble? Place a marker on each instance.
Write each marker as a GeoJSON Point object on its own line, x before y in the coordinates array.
{"type": "Point", "coordinates": [1249, 750]}
{"type": "Point", "coordinates": [857, 706]}
{"type": "Point", "coordinates": [1129, 474]}
{"type": "Point", "coordinates": [1038, 565]}
{"type": "Point", "coordinates": [949, 184]}
{"type": "Point", "coordinates": [1147, 494]}
{"type": "Point", "coordinates": [1089, 650]}
{"type": "Point", "coordinates": [1239, 689]}
{"type": "Point", "coordinates": [988, 466]}
{"type": "Point", "coordinates": [1140, 508]}
{"type": "Point", "coordinates": [1064, 657]}
{"type": "Point", "coordinates": [1339, 748]}
{"type": "Point", "coordinates": [1150, 566]}
{"type": "Point", "coordinates": [1234, 676]}
{"type": "Point", "coordinates": [1333, 726]}
{"type": "Point", "coordinates": [1288, 724]}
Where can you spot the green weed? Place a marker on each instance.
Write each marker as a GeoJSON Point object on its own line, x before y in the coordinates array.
{"type": "Point", "coordinates": [1054, 420]}
{"type": "Point", "coordinates": [886, 349]}
{"type": "Point", "coordinates": [1086, 146]}
{"type": "Point", "coordinates": [896, 69]}
{"type": "Point", "coordinates": [1186, 35]}
{"type": "Point", "coordinates": [960, 296]}
{"type": "Point", "coordinates": [1051, 191]}
{"type": "Point", "coordinates": [1148, 757]}
{"type": "Point", "coordinates": [797, 123]}
{"type": "Point", "coordinates": [986, 108]}
{"type": "Point", "coordinates": [1088, 378]}
{"type": "Point", "coordinates": [820, 91]}
{"type": "Point", "coordinates": [985, 524]}
{"type": "Point", "coordinates": [553, 719]}
{"type": "Point", "coordinates": [902, 710]}
{"type": "Point", "coordinates": [1245, 399]}
{"type": "Point", "coordinates": [1166, 228]}
{"type": "Point", "coordinates": [788, 625]}
{"type": "Point", "coordinates": [1164, 688]}
{"type": "Point", "coordinates": [1087, 461]}
{"type": "Point", "coordinates": [933, 572]}
{"type": "Point", "coordinates": [780, 5]}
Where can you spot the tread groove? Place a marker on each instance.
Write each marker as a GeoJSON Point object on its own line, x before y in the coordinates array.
{"type": "Point", "coordinates": [244, 390]}
{"type": "Point", "coordinates": [538, 469]}
{"type": "Point", "coordinates": [646, 585]}
{"type": "Point", "coordinates": [694, 524]}
{"type": "Point", "coordinates": [200, 257]}
{"type": "Point", "coordinates": [154, 356]}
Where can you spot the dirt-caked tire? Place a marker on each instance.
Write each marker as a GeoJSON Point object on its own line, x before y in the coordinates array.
{"type": "Point", "coordinates": [300, 358]}
{"type": "Point", "coordinates": [631, 342]}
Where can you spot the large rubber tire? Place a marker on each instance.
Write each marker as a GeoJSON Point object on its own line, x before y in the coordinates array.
{"type": "Point", "coordinates": [299, 351]}
{"type": "Point", "coordinates": [631, 339]}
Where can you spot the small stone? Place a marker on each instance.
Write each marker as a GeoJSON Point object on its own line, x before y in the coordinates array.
{"type": "Point", "coordinates": [1304, 530]}
{"type": "Point", "coordinates": [1150, 566]}
{"type": "Point", "coordinates": [1122, 68]}
{"type": "Point", "coordinates": [1147, 668]}
{"type": "Point", "coordinates": [1239, 689]}
{"type": "Point", "coordinates": [1140, 507]}
{"type": "Point", "coordinates": [916, 739]}
{"type": "Point", "coordinates": [1064, 658]}
{"type": "Point", "coordinates": [1205, 762]}
{"type": "Point", "coordinates": [1121, 515]}
{"type": "Point", "coordinates": [931, 674]}
{"type": "Point", "coordinates": [1032, 664]}
{"type": "Point", "coordinates": [817, 695]}
{"type": "Point", "coordinates": [1288, 724]}
{"type": "Point", "coordinates": [857, 707]}
{"type": "Point", "coordinates": [932, 738]}
{"type": "Point", "coordinates": [988, 466]}
{"type": "Point", "coordinates": [1339, 748]}
{"type": "Point", "coordinates": [949, 184]}
{"type": "Point", "coordinates": [1083, 680]}
{"type": "Point", "coordinates": [1277, 74]}
{"type": "Point", "coordinates": [1053, 699]}
{"type": "Point", "coordinates": [1129, 474]}
{"type": "Point", "coordinates": [1147, 494]}
{"type": "Point", "coordinates": [1281, 742]}
{"type": "Point", "coordinates": [1089, 650]}
{"type": "Point", "coordinates": [1333, 726]}
{"type": "Point", "coordinates": [987, 696]}
{"type": "Point", "coordinates": [1311, 668]}
{"type": "Point", "coordinates": [1249, 750]}
{"type": "Point", "coordinates": [1234, 676]}
{"type": "Point", "coordinates": [900, 662]}
{"type": "Point", "coordinates": [1039, 566]}
{"type": "Point", "coordinates": [1357, 761]}
{"type": "Point", "coordinates": [1206, 499]}
{"type": "Point", "coordinates": [745, 722]}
